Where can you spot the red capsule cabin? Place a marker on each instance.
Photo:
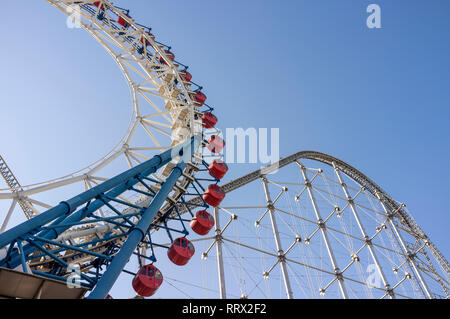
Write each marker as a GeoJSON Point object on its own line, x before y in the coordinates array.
{"type": "Point", "coordinates": [108, 296]}
{"type": "Point", "coordinates": [147, 281]}
{"type": "Point", "coordinates": [169, 54]}
{"type": "Point", "coordinates": [215, 144]}
{"type": "Point", "coordinates": [199, 98]}
{"type": "Point", "coordinates": [202, 222]}
{"type": "Point", "coordinates": [185, 76]}
{"type": "Point", "coordinates": [218, 168]}
{"type": "Point", "coordinates": [209, 120]}
{"type": "Point", "coordinates": [144, 41]}
{"type": "Point", "coordinates": [181, 251]}
{"type": "Point", "coordinates": [123, 22]}
{"type": "Point", "coordinates": [99, 4]}
{"type": "Point", "coordinates": [213, 195]}
{"type": "Point", "coordinates": [101, 11]}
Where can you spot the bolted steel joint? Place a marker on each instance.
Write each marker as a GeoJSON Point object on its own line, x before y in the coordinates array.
{"type": "Point", "coordinates": [321, 224]}
{"type": "Point", "coordinates": [218, 237]}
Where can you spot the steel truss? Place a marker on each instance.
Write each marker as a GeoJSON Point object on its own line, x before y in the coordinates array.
{"type": "Point", "coordinates": [340, 222]}
{"type": "Point", "coordinates": [34, 245]}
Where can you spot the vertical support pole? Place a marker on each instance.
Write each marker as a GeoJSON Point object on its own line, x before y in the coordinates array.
{"type": "Point", "coordinates": [363, 232]}
{"type": "Point", "coordinates": [276, 236]}
{"type": "Point", "coordinates": [323, 231]}
{"type": "Point", "coordinates": [137, 233]}
{"type": "Point", "coordinates": [219, 241]}
{"type": "Point", "coordinates": [22, 257]}
{"type": "Point", "coordinates": [409, 257]}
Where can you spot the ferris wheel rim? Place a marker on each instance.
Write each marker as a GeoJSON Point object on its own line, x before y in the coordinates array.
{"type": "Point", "coordinates": [117, 149]}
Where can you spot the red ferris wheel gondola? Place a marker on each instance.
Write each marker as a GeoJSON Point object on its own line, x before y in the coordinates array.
{"type": "Point", "coordinates": [214, 195]}
{"type": "Point", "coordinates": [147, 280]}
{"type": "Point", "coordinates": [123, 22]}
{"type": "Point", "coordinates": [99, 4]}
{"type": "Point", "coordinates": [218, 168]}
{"type": "Point", "coordinates": [215, 144]}
{"type": "Point", "coordinates": [181, 251]}
{"type": "Point", "coordinates": [185, 76]}
{"type": "Point", "coordinates": [199, 97]}
{"type": "Point", "coordinates": [202, 222]}
{"type": "Point", "coordinates": [169, 54]}
{"type": "Point", "coordinates": [209, 119]}
{"type": "Point", "coordinates": [144, 41]}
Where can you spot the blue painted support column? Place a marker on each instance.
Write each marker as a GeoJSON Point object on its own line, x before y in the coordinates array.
{"type": "Point", "coordinates": [136, 235]}
{"type": "Point", "coordinates": [65, 208]}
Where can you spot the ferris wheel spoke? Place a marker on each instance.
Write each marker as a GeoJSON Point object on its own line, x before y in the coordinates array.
{"type": "Point", "coordinates": [150, 134]}
{"type": "Point", "coordinates": [39, 203]}
{"type": "Point", "coordinates": [296, 216]}
{"type": "Point", "coordinates": [154, 115]}
{"type": "Point", "coordinates": [105, 161]}
{"type": "Point", "coordinates": [244, 269]}
{"type": "Point", "coordinates": [150, 122]}
{"type": "Point", "coordinates": [131, 154]}
{"type": "Point", "coordinates": [148, 148]}
{"type": "Point", "coordinates": [98, 178]}
{"type": "Point", "coordinates": [8, 215]}
{"type": "Point", "coordinates": [126, 61]}
{"type": "Point", "coordinates": [127, 157]}
{"type": "Point", "coordinates": [134, 154]}
{"type": "Point", "coordinates": [164, 114]}
{"type": "Point", "coordinates": [144, 123]}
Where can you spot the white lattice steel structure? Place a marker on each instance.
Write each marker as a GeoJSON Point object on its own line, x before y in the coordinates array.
{"type": "Point", "coordinates": [162, 110]}
{"type": "Point", "coordinates": [319, 228]}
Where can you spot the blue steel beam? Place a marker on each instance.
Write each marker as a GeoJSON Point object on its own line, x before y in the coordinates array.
{"type": "Point", "coordinates": [62, 213]}
{"type": "Point", "coordinates": [135, 236]}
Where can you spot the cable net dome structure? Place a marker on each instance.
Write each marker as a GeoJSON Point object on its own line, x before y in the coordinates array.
{"type": "Point", "coordinates": [307, 226]}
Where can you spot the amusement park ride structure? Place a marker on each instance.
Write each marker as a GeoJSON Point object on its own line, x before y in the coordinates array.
{"type": "Point", "coordinates": [116, 218]}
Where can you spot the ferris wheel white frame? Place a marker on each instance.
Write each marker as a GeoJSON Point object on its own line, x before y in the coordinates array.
{"type": "Point", "coordinates": [147, 78]}
{"type": "Point", "coordinates": [182, 123]}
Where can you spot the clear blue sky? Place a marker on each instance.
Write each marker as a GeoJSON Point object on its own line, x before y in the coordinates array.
{"type": "Point", "coordinates": [376, 98]}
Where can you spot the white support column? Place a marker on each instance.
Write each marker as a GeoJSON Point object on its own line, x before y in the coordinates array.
{"type": "Point", "coordinates": [8, 215]}
{"type": "Point", "coordinates": [410, 257]}
{"type": "Point", "coordinates": [220, 268]}
{"type": "Point", "coordinates": [276, 236]}
{"type": "Point", "coordinates": [323, 229]}
{"type": "Point", "coordinates": [363, 232]}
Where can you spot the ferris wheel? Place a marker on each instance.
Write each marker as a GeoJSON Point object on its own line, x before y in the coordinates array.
{"type": "Point", "coordinates": [319, 228]}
